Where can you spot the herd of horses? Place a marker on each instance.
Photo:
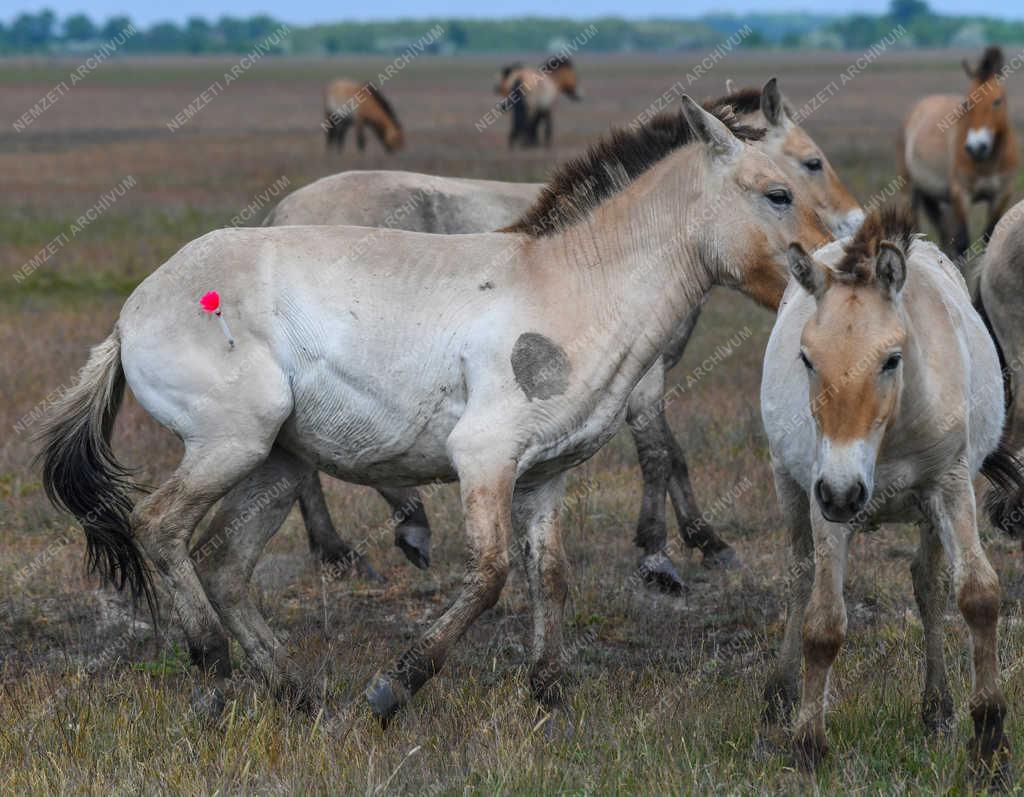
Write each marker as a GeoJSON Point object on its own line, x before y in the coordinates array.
{"type": "Point", "coordinates": [527, 94]}
{"type": "Point", "coordinates": [396, 329]}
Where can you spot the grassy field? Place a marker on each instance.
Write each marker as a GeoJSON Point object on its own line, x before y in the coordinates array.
{"type": "Point", "coordinates": [667, 690]}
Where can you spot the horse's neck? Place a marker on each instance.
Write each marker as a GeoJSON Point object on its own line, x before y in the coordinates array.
{"type": "Point", "coordinates": [638, 261]}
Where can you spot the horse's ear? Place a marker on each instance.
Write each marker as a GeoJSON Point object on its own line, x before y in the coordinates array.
{"type": "Point", "coordinates": [801, 267]}
{"type": "Point", "coordinates": [710, 129]}
{"type": "Point", "coordinates": [967, 68]}
{"type": "Point", "coordinates": [771, 103]}
{"type": "Point", "coordinates": [730, 86]}
{"type": "Point", "coordinates": [890, 268]}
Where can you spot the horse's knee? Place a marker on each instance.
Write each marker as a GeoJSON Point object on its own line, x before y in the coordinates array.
{"type": "Point", "coordinates": [979, 597]}
{"type": "Point", "coordinates": [823, 634]}
{"type": "Point", "coordinates": [488, 577]}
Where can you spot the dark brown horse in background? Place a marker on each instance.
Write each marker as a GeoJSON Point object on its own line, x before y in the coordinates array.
{"type": "Point", "coordinates": [530, 94]}
{"type": "Point", "coordinates": [348, 103]}
{"type": "Point", "coordinates": [955, 151]}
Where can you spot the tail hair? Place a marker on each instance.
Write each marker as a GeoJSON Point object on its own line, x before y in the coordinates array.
{"type": "Point", "coordinates": [1004, 503]}
{"type": "Point", "coordinates": [82, 476]}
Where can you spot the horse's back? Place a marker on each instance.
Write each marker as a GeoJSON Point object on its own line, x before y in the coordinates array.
{"type": "Point", "coordinates": [406, 201]}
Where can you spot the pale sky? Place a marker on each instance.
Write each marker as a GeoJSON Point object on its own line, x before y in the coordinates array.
{"type": "Point", "coordinates": [303, 12]}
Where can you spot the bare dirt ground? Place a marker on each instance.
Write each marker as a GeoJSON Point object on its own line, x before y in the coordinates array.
{"type": "Point", "coordinates": [667, 693]}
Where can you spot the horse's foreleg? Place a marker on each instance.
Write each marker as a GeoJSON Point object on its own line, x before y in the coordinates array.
{"type": "Point", "coordinates": [644, 415]}
{"type": "Point", "coordinates": [163, 523]}
{"type": "Point", "coordinates": [782, 690]}
{"type": "Point", "coordinates": [931, 591]}
{"type": "Point", "coordinates": [959, 207]}
{"type": "Point", "coordinates": [696, 530]}
{"type": "Point", "coordinates": [412, 534]}
{"type": "Point", "coordinates": [248, 517]}
{"type": "Point", "coordinates": [536, 515]}
{"type": "Point", "coordinates": [996, 208]}
{"type": "Point", "coordinates": [824, 630]}
{"type": "Point", "coordinates": [952, 511]}
{"type": "Point", "coordinates": [324, 541]}
{"type": "Point", "coordinates": [486, 479]}
{"type": "Point", "coordinates": [548, 124]}
{"type": "Point", "coordinates": [360, 135]}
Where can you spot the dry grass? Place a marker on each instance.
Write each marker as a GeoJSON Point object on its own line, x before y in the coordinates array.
{"type": "Point", "coordinates": [667, 694]}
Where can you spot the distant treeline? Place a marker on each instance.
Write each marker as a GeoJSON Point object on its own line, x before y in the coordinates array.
{"type": "Point", "coordinates": [44, 33]}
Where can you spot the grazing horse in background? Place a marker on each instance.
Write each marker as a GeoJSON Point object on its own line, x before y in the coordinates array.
{"type": "Point", "coordinates": [424, 203]}
{"type": "Point", "coordinates": [530, 94]}
{"type": "Point", "coordinates": [470, 367]}
{"type": "Point", "coordinates": [348, 103]}
{"type": "Point", "coordinates": [882, 399]}
{"type": "Point", "coordinates": [955, 150]}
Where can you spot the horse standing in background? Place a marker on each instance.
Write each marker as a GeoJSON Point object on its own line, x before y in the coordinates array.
{"type": "Point", "coordinates": [531, 93]}
{"type": "Point", "coordinates": [955, 151]}
{"type": "Point", "coordinates": [348, 103]}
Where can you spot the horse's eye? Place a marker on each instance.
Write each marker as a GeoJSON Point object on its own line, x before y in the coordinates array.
{"type": "Point", "coordinates": [892, 363]}
{"type": "Point", "coordinates": [813, 164]}
{"type": "Point", "coordinates": [806, 362]}
{"type": "Point", "coordinates": [779, 196]}
{"type": "Point", "coordinates": [997, 102]}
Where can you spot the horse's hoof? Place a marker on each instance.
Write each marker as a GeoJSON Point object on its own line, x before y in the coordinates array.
{"type": "Point", "coordinates": [208, 703]}
{"type": "Point", "coordinates": [809, 750]}
{"type": "Point", "coordinates": [780, 698]}
{"type": "Point", "coordinates": [722, 559]}
{"type": "Point", "coordinates": [415, 544]}
{"type": "Point", "coordinates": [659, 573]}
{"type": "Point", "coordinates": [385, 697]}
{"type": "Point", "coordinates": [990, 762]}
{"type": "Point", "coordinates": [937, 714]}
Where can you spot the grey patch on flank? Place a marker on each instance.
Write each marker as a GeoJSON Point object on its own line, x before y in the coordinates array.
{"type": "Point", "coordinates": [540, 365]}
{"type": "Point", "coordinates": [487, 286]}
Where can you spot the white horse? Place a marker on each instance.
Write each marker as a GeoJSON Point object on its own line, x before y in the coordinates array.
{"type": "Point", "coordinates": [882, 398]}
{"type": "Point", "coordinates": [500, 360]}
{"type": "Point", "coordinates": [426, 203]}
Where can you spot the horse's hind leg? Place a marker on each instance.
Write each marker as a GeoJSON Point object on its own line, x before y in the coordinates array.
{"type": "Point", "coordinates": [324, 541]}
{"type": "Point", "coordinates": [931, 591]}
{"type": "Point", "coordinates": [782, 690]}
{"type": "Point", "coordinates": [248, 517]}
{"type": "Point", "coordinates": [933, 211]}
{"type": "Point", "coordinates": [412, 534]}
{"type": "Point", "coordinates": [535, 514]}
{"type": "Point", "coordinates": [163, 523]}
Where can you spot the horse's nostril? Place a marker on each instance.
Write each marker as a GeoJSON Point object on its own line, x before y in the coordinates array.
{"type": "Point", "coordinates": [822, 493]}
{"type": "Point", "coordinates": [861, 496]}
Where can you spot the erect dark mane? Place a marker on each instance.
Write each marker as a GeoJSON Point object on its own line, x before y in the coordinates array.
{"type": "Point", "coordinates": [991, 63]}
{"type": "Point", "coordinates": [743, 101]}
{"type": "Point", "coordinates": [375, 93]}
{"type": "Point", "coordinates": [607, 167]}
{"type": "Point", "coordinates": [893, 222]}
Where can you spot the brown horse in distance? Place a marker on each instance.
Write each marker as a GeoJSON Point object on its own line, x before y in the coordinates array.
{"type": "Point", "coordinates": [955, 151]}
{"type": "Point", "coordinates": [530, 94]}
{"type": "Point", "coordinates": [348, 103]}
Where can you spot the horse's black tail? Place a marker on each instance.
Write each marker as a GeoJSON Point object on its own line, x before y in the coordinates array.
{"type": "Point", "coordinates": [82, 476]}
{"type": "Point", "coordinates": [1004, 369]}
{"type": "Point", "coordinates": [1004, 503]}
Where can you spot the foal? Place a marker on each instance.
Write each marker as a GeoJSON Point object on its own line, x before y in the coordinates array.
{"type": "Point", "coordinates": [492, 387]}
{"type": "Point", "coordinates": [882, 399]}
{"type": "Point", "coordinates": [956, 150]}
{"type": "Point", "coordinates": [348, 103]}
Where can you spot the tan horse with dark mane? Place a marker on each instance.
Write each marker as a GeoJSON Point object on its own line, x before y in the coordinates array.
{"type": "Point", "coordinates": [530, 94]}
{"type": "Point", "coordinates": [348, 103]}
{"type": "Point", "coordinates": [955, 151]}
